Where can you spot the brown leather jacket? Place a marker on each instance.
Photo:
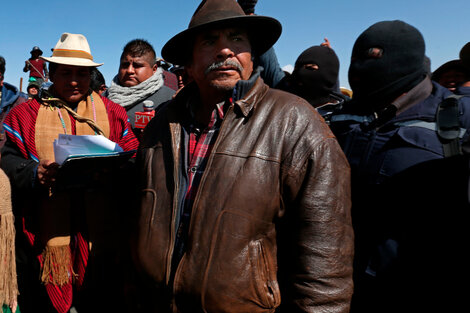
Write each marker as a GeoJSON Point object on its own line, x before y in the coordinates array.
{"type": "Point", "coordinates": [271, 219]}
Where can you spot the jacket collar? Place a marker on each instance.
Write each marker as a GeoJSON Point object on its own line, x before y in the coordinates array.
{"type": "Point", "coordinates": [415, 95]}
{"type": "Point", "coordinates": [247, 93]}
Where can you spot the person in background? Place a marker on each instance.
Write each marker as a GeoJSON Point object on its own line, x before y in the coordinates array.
{"type": "Point", "coordinates": [315, 78]}
{"type": "Point", "coordinates": [139, 79]}
{"type": "Point", "coordinates": [398, 119]}
{"type": "Point", "coordinates": [70, 236]}
{"type": "Point", "coordinates": [9, 97]}
{"type": "Point", "coordinates": [244, 189]}
{"type": "Point", "coordinates": [33, 89]}
{"type": "Point", "coordinates": [181, 75]}
{"type": "Point", "coordinates": [36, 66]}
{"type": "Point", "coordinates": [98, 83]}
{"type": "Point", "coordinates": [170, 78]}
{"type": "Point", "coordinates": [451, 75]}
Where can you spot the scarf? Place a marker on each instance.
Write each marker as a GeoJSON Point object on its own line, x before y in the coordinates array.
{"type": "Point", "coordinates": [8, 282]}
{"type": "Point", "coordinates": [126, 96]}
{"type": "Point", "coordinates": [53, 118]}
{"type": "Point", "coordinates": [58, 266]}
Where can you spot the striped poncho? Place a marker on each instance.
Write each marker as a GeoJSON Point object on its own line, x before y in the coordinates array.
{"type": "Point", "coordinates": [20, 126]}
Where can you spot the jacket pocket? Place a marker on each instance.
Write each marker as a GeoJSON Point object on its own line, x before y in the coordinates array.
{"type": "Point", "coordinates": [149, 248]}
{"type": "Point", "coordinates": [148, 207]}
{"type": "Point", "coordinates": [242, 266]}
{"type": "Point", "coordinates": [407, 147]}
{"type": "Point", "coordinates": [267, 283]}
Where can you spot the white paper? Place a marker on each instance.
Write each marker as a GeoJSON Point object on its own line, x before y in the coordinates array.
{"type": "Point", "coordinates": [67, 146]}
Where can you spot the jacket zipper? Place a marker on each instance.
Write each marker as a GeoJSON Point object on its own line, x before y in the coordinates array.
{"type": "Point", "coordinates": [198, 194]}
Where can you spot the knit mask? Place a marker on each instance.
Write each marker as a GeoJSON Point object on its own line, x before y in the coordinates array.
{"type": "Point", "coordinates": [315, 85]}
{"type": "Point", "coordinates": [387, 60]}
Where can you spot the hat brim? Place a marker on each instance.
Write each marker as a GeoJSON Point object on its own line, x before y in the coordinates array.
{"type": "Point", "coordinates": [263, 31]}
{"type": "Point", "coordinates": [72, 61]}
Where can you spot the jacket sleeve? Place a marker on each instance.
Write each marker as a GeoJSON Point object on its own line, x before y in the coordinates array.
{"type": "Point", "coordinates": [22, 172]}
{"type": "Point", "coordinates": [317, 246]}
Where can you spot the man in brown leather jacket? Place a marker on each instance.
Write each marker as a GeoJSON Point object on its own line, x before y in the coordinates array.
{"type": "Point", "coordinates": [245, 202]}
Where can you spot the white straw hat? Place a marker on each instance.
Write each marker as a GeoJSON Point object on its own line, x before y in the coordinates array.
{"type": "Point", "coordinates": [72, 49]}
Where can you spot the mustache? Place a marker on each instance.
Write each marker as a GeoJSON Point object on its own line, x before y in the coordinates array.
{"type": "Point", "coordinates": [217, 65]}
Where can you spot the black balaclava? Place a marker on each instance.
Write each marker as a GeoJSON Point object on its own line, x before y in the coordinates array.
{"type": "Point", "coordinates": [387, 61]}
{"type": "Point", "coordinates": [315, 85]}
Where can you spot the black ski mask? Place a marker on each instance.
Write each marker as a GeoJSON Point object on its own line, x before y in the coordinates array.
{"type": "Point", "coordinates": [387, 60]}
{"type": "Point", "coordinates": [315, 85]}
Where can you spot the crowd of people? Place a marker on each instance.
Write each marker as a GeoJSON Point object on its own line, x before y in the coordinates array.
{"type": "Point", "coordinates": [241, 187]}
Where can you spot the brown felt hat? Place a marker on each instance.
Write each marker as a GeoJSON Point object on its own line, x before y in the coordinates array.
{"type": "Point", "coordinates": [263, 31]}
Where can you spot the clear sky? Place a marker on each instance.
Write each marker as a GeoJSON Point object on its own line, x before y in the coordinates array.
{"type": "Point", "coordinates": [110, 24]}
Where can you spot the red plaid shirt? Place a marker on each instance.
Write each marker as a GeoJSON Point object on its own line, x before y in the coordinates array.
{"type": "Point", "coordinates": [197, 151]}
{"type": "Point", "coordinates": [199, 148]}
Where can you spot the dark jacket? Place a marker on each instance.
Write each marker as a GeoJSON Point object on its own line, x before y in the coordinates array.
{"type": "Point", "coordinates": [393, 204]}
{"type": "Point", "coordinates": [463, 91]}
{"type": "Point", "coordinates": [270, 226]}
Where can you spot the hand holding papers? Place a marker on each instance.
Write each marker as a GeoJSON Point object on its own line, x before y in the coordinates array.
{"type": "Point", "coordinates": [71, 146]}
{"type": "Point", "coordinates": [85, 160]}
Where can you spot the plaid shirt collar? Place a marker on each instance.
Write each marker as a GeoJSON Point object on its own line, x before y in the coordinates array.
{"type": "Point", "coordinates": [201, 141]}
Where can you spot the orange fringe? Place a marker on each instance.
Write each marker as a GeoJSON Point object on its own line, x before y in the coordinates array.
{"type": "Point", "coordinates": [8, 279]}
{"type": "Point", "coordinates": [57, 266]}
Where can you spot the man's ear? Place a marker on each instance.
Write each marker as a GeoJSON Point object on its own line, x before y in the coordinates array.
{"type": "Point", "coordinates": [155, 67]}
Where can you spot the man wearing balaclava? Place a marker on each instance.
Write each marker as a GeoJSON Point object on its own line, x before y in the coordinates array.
{"type": "Point", "coordinates": [397, 120]}
{"type": "Point", "coordinates": [314, 78]}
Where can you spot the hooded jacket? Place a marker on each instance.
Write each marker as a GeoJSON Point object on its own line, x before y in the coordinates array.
{"type": "Point", "coordinates": [270, 225]}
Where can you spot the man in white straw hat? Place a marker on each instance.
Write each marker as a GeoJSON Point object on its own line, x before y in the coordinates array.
{"type": "Point", "coordinates": [245, 191]}
{"type": "Point", "coordinates": [66, 228]}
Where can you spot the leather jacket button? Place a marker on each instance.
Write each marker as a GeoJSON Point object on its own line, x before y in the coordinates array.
{"type": "Point", "coordinates": [193, 169]}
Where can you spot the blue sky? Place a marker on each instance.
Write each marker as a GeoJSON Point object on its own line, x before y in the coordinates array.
{"type": "Point", "coordinates": [110, 24]}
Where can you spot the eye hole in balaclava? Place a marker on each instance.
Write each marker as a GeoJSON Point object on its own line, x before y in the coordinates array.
{"type": "Point", "coordinates": [387, 60]}
{"type": "Point", "coordinates": [375, 53]}
{"type": "Point", "coordinates": [311, 67]}
{"type": "Point", "coordinates": [315, 74]}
